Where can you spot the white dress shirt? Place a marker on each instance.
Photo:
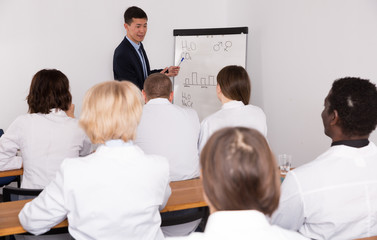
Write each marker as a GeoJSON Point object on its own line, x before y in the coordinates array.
{"type": "Point", "coordinates": [114, 193]}
{"type": "Point", "coordinates": [171, 131]}
{"type": "Point", "coordinates": [248, 224]}
{"type": "Point", "coordinates": [44, 140]}
{"type": "Point", "coordinates": [334, 196]}
{"type": "Point", "coordinates": [233, 114]}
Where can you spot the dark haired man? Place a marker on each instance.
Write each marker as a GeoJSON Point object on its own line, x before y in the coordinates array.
{"type": "Point", "coordinates": [170, 131]}
{"type": "Point", "coordinates": [335, 196]}
{"type": "Point", "coordinates": [130, 60]}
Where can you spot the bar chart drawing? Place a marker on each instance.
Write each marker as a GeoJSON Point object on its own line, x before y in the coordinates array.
{"type": "Point", "coordinates": [202, 81]}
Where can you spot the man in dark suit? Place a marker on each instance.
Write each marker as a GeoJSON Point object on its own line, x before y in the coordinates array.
{"type": "Point", "coordinates": [130, 59]}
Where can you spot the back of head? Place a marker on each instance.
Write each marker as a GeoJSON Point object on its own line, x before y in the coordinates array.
{"type": "Point", "coordinates": [49, 89]}
{"type": "Point", "coordinates": [355, 100]}
{"type": "Point", "coordinates": [239, 171]}
{"type": "Point", "coordinates": [111, 110]}
{"type": "Point", "coordinates": [157, 85]}
{"type": "Point", "coordinates": [134, 12]}
{"type": "Point", "coordinates": [234, 83]}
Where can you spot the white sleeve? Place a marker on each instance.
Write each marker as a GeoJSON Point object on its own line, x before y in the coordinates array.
{"type": "Point", "coordinates": [87, 147]}
{"type": "Point", "coordinates": [290, 213]}
{"type": "Point", "coordinates": [265, 124]}
{"type": "Point", "coordinates": [166, 197]}
{"type": "Point", "coordinates": [9, 145]}
{"type": "Point", "coordinates": [167, 191]}
{"type": "Point", "coordinates": [47, 210]}
{"type": "Point", "coordinates": [203, 135]}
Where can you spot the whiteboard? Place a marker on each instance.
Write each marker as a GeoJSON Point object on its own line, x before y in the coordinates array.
{"type": "Point", "coordinates": [205, 53]}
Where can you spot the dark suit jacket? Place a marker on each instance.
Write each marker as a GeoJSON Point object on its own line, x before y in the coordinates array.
{"type": "Point", "coordinates": [127, 64]}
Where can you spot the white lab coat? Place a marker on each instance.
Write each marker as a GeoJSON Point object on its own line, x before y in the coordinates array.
{"type": "Point", "coordinates": [114, 193]}
{"type": "Point", "coordinates": [233, 114]}
{"type": "Point", "coordinates": [171, 131]}
{"type": "Point", "coordinates": [44, 140]}
{"type": "Point", "coordinates": [334, 196]}
{"type": "Point", "coordinates": [240, 225]}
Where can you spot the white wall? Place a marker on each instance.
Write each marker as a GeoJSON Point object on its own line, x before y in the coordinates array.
{"type": "Point", "coordinates": [79, 38]}
{"type": "Point", "coordinates": [296, 49]}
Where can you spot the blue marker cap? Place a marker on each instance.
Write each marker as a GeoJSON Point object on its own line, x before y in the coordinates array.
{"type": "Point", "coordinates": [180, 61]}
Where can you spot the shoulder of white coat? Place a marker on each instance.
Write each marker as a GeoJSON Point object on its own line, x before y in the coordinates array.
{"type": "Point", "coordinates": [158, 164]}
{"type": "Point", "coordinates": [183, 108]}
{"type": "Point", "coordinates": [18, 123]}
{"type": "Point", "coordinates": [315, 163]}
{"type": "Point", "coordinates": [193, 115]}
{"type": "Point", "coordinates": [76, 162]}
{"type": "Point", "coordinates": [157, 160]}
{"type": "Point", "coordinates": [23, 118]}
{"type": "Point", "coordinates": [255, 108]}
{"type": "Point", "coordinates": [192, 112]}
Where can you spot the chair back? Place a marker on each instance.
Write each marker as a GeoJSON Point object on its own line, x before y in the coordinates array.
{"type": "Point", "coordinates": [1, 132]}
{"type": "Point", "coordinates": [183, 216]}
{"type": "Point", "coordinates": [15, 194]}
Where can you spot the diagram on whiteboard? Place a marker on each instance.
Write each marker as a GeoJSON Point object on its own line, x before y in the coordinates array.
{"type": "Point", "coordinates": [203, 57]}
{"type": "Point", "coordinates": [200, 81]}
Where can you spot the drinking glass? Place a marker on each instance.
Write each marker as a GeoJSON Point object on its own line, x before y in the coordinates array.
{"type": "Point", "coordinates": [285, 161]}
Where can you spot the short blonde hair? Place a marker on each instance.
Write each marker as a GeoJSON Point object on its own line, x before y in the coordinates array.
{"type": "Point", "coordinates": [111, 110]}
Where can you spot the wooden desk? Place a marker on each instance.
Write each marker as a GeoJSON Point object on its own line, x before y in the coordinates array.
{"type": "Point", "coordinates": [9, 223]}
{"type": "Point", "coordinates": [10, 173]}
{"type": "Point", "coordinates": [185, 194]}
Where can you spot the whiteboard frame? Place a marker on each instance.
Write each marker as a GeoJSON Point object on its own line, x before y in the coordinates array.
{"type": "Point", "coordinates": [210, 31]}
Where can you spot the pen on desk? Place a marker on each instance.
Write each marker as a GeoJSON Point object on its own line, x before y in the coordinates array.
{"type": "Point", "coordinates": [180, 62]}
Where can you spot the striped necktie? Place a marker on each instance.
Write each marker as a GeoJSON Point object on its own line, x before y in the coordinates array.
{"type": "Point", "coordinates": [143, 63]}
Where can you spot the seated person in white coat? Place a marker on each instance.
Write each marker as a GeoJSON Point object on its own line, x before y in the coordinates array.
{"type": "Point", "coordinates": [335, 196]}
{"type": "Point", "coordinates": [46, 135]}
{"type": "Point", "coordinates": [233, 90]}
{"type": "Point", "coordinates": [171, 131]}
{"type": "Point", "coordinates": [114, 193]}
{"type": "Point", "coordinates": [241, 187]}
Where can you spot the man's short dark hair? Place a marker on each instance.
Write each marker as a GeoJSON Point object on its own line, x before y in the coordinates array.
{"type": "Point", "coordinates": [134, 12]}
{"type": "Point", "coordinates": [157, 85]}
{"type": "Point", "coordinates": [355, 100]}
{"type": "Point", "coordinates": [49, 89]}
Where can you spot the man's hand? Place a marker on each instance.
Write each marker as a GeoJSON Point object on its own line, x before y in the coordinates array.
{"type": "Point", "coordinates": [173, 71]}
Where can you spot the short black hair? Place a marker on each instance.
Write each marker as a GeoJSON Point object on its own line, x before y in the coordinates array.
{"type": "Point", "coordinates": [134, 12]}
{"type": "Point", "coordinates": [355, 100]}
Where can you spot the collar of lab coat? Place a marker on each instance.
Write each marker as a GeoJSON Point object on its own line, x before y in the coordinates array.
{"type": "Point", "coordinates": [158, 101]}
{"type": "Point", "coordinates": [232, 104]}
{"type": "Point", "coordinates": [228, 220]}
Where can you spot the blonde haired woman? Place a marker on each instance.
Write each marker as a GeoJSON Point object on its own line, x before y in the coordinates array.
{"type": "Point", "coordinates": [114, 193]}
